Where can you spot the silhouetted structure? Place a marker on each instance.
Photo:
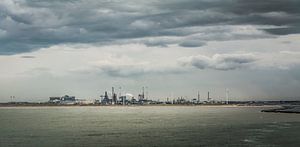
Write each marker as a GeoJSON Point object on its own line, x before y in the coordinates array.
{"type": "Point", "coordinates": [105, 100]}
{"type": "Point", "coordinates": [114, 96]}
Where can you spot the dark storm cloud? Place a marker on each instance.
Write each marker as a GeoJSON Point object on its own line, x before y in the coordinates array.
{"type": "Point", "coordinates": [27, 25]}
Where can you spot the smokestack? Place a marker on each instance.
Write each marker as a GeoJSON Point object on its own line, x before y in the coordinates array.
{"type": "Point", "coordinates": [208, 99]}
{"type": "Point", "coordinates": [114, 98]}
{"type": "Point", "coordinates": [147, 94]}
{"type": "Point", "coordinates": [121, 97]}
{"type": "Point", "coordinates": [143, 95]}
{"type": "Point", "coordinates": [105, 95]}
{"type": "Point", "coordinates": [198, 97]}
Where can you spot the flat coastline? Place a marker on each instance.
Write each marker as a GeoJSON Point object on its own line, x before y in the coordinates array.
{"type": "Point", "coordinates": [148, 105]}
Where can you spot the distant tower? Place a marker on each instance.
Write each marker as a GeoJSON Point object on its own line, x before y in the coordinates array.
{"type": "Point", "coordinates": [105, 99]}
{"type": "Point", "coordinates": [143, 95]}
{"type": "Point", "coordinates": [208, 98]}
{"type": "Point", "coordinates": [114, 96]}
{"type": "Point", "coordinates": [198, 97]}
{"type": "Point", "coordinates": [227, 95]}
{"type": "Point", "coordinates": [105, 94]}
{"type": "Point", "coordinates": [121, 97]}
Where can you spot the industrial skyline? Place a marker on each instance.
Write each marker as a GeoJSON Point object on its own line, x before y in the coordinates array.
{"type": "Point", "coordinates": [149, 73]}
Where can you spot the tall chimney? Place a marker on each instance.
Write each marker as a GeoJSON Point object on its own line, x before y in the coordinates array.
{"type": "Point", "coordinates": [208, 99]}
{"type": "Point", "coordinates": [113, 95]}
{"type": "Point", "coordinates": [143, 95]}
{"type": "Point", "coordinates": [198, 97]}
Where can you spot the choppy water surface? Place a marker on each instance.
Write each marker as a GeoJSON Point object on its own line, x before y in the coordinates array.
{"type": "Point", "coordinates": [147, 126]}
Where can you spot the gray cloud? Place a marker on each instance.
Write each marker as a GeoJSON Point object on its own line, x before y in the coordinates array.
{"type": "Point", "coordinates": [136, 70]}
{"type": "Point", "coordinates": [192, 43]}
{"type": "Point", "coordinates": [122, 71]}
{"type": "Point", "coordinates": [127, 70]}
{"type": "Point", "coordinates": [28, 25]}
{"type": "Point", "coordinates": [28, 57]}
{"type": "Point", "coordinates": [219, 61]}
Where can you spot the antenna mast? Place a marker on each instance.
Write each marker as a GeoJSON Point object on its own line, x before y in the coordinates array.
{"type": "Point", "coordinates": [227, 96]}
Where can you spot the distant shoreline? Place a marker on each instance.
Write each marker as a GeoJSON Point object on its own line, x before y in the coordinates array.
{"type": "Point", "coordinates": [160, 105]}
{"type": "Point", "coordinates": [276, 105]}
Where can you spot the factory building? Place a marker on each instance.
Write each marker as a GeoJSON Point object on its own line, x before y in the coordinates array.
{"type": "Point", "coordinates": [104, 99]}
{"type": "Point", "coordinates": [113, 96]}
{"type": "Point", "coordinates": [63, 100]}
{"type": "Point", "coordinates": [68, 98]}
{"type": "Point", "coordinates": [54, 100]}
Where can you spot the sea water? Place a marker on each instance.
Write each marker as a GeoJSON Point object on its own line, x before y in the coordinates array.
{"type": "Point", "coordinates": [147, 126]}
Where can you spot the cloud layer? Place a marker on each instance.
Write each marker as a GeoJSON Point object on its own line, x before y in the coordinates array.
{"type": "Point", "coordinates": [82, 47]}
{"type": "Point", "coordinates": [219, 61]}
{"type": "Point", "coordinates": [28, 25]}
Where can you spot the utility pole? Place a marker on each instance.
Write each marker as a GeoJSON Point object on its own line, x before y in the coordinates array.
{"type": "Point", "coordinates": [143, 94]}
{"type": "Point", "coordinates": [227, 96]}
{"type": "Point", "coordinates": [147, 94]}
{"type": "Point", "coordinates": [198, 97]}
{"type": "Point", "coordinates": [120, 96]}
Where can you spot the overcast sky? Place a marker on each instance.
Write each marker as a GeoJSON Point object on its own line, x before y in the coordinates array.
{"type": "Point", "coordinates": [174, 47]}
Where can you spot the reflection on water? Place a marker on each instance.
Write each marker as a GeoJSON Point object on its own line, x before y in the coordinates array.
{"type": "Point", "coordinates": [147, 126]}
